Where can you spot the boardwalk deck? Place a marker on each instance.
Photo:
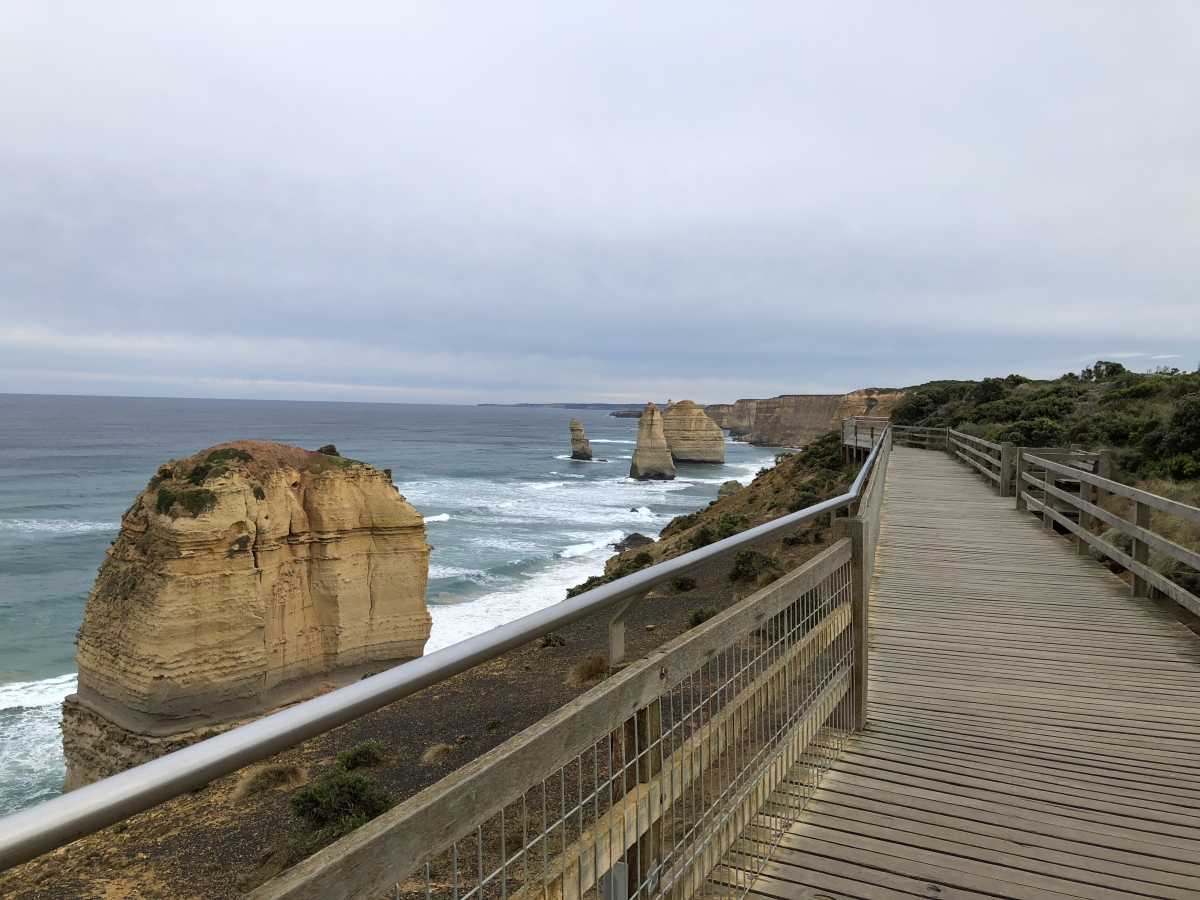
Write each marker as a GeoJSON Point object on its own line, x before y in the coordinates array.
{"type": "Point", "coordinates": [1033, 730]}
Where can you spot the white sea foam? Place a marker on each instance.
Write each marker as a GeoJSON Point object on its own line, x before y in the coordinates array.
{"type": "Point", "coordinates": [33, 694]}
{"type": "Point", "coordinates": [454, 622]}
{"type": "Point", "coordinates": [611, 441]}
{"type": "Point", "coordinates": [444, 517]}
{"type": "Point", "coordinates": [440, 571]}
{"type": "Point", "coordinates": [592, 546]}
{"type": "Point", "coordinates": [56, 526]}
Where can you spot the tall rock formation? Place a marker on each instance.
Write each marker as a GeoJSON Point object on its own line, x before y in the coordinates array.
{"type": "Point", "coordinates": [244, 578]}
{"type": "Point", "coordinates": [736, 418]}
{"type": "Point", "coordinates": [691, 435]}
{"type": "Point", "coordinates": [651, 458]}
{"type": "Point", "coordinates": [581, 447]}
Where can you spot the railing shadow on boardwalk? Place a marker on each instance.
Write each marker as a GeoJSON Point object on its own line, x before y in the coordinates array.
{"type": "Point", "coordinates": [701, 769]}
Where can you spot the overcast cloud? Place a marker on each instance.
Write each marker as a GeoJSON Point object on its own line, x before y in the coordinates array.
{"type": "Point", "coordinates": [611, 201]}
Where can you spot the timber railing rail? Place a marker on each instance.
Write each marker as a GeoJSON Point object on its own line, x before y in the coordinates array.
{"type": "Point", "coordinates": [1073, 489]}
{"type": "Point", "coordinates": [782, 672]}
{"type": "Point", "coordinates": [1076, 510]}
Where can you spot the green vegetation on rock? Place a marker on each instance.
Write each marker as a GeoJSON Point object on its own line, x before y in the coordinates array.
{"type": "Point", "coordinates": [194, 501]}
{"type": "Point", "coordinates": [1152, 418]}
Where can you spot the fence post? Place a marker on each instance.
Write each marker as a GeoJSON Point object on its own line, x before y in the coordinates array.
{"type": "Point", "coordinates": [1087, 493]}
{"type": "Point", "coordinates": [1047, 482]}
{"type": "Point", "coordinates": [1141, 550]}
{"type": "Point", "coordinates": [1007, 462]}
{"type": "Point", "coordinates": [860, 587]}
{"type": "Point", "coordinates": [616, 633]}
{"type": "Point", "coordinates": [1019, 477]}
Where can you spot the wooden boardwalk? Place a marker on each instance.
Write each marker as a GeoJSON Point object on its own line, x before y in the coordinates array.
{"type": "Point", "coordinates": [1033, 730]}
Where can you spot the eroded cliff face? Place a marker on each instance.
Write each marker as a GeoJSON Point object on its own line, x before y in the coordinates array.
{"type": "Point", "coordinates": [691, 435]}
{"type": "Point", "coordinates": [652, 457]}
{"type": "Point", "coordinates": [793, 420]}
{"type": "Point", "coordinates": [245, 577]}
{"type": "Point", "coordinates": [581, 447]}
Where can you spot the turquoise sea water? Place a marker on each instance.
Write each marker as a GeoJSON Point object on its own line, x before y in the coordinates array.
{"type": "Point", "coordinates": [513, 521]}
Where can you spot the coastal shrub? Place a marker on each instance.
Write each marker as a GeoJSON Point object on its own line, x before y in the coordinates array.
{"type": "Point", "coordinates": [194, 501]}
{"type": "Point", "coordinates": [748, 565]}
{"type": "Point", "coordinates": [1138, 390]}
{"type": "Point", "coordinates": [1181, 467]}
{"type": "Point", "coordinates": [227, 454]}
{"type": "Point", "coordinates": [339, 797]}
{"type": "Point", "coordinates": [684, 583]}
{"type": "Point", "coordinates": [729, 525]}
{"type": "Point", "coordinates": [702, 537]}
{"type": "Point", "coordinates": [802, 499]}
{"type": "Point", "coordinates": [700, 616]}
{"type": "Point", "coordinates": [643, 559]}
{"type": "Point", "coordinates": [203, 471]}
{"type": "Point", "coordinates": [1035, 433]}
{"type": "Point", "coordinates": [989, 390]}
{"type": "Point", "coordinates": [368, 753]}
{"type": "Point", "coordinates": [551, 639]}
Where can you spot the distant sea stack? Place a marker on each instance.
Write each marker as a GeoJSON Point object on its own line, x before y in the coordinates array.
{"type": "Point", "coordinates": [245, 577]}
{"type": "Point", "coordinates": [691, 435]}
{"type": "Point", "coordinates": [651, 458]}
{"type": "Point", "coordinates": [581, 447]}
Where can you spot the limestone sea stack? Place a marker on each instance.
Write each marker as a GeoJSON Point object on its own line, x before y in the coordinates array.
{"type": "Point", "coordinates": [652, 457]}
{"type": "Point", "coordinates": [245, 577]}
{"type": "Point", "coordinates": [691, 435]}
{"type": "Point", "coordinates": [581, 447]}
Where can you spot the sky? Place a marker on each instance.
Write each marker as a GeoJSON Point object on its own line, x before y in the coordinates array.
{"type": "Point", "coordinates": [490, 202]}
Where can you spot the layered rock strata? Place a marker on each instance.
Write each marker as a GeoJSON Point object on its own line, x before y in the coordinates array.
{"type": "Point", "coordinates": [244, 578]}
{"type": "Point", "coordinates": [652, 457]}
{"type": "Point", "coordinates": [794, 420]}
{"type": "Point", "coordinates": [691, 435]}
{"type": "Point", "coordinates": [581, 447]}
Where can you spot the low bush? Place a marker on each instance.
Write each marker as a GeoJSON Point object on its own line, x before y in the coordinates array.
{"type": "Point", "coordinates": [227, 454]}
{"type": "Point", "coordinates": [339, 798]}
{"type": "Point", "coordinates": [684, 583]}
{"type": "Point", "coordinates": [368, 753]}
{"type": "Point", "coordinates": [436, 753]}
{"type": "Point", "coordinates": [194, 501]}
{"type": "Point", "coordinates": [748, 565]}
{"type": "Point", "coordinates": [700, 616]}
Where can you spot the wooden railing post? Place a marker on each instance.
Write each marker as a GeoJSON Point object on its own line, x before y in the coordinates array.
{"type": "Point", "coordinates": [1008, 460]}
{"type": "Point", "coordinates": [1019, 477]}
{"type": "Point", "coordinates": [1087, 493]}
{"type": "Point", "coordinates": [855, 528]}
{"type": "Point", "coordinates": [1141, 550]}
{"type": "Point", "coordinates": [616, 633]}
{"type": "Point", "coordinates": [1047, 482]}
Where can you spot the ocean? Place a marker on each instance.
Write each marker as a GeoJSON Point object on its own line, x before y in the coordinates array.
{"type": "Point", "coordinates": [512, 519]}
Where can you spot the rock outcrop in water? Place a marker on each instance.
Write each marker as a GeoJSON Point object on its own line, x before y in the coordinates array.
{"type": "Point", "coordinates": [244, 578]}
{"type": "Point", "coordinates": [652, 458]}
{"type": "Point", "coordinates": [691, 435]}
{"type": "Point", "coordinates": [581, 447]}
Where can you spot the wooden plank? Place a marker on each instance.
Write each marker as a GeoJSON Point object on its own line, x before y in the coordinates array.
{"type": "Point", "coordinates": [1034, 730]}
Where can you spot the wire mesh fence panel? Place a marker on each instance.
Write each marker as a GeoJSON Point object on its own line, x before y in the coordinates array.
{"type": "Point", "coordinates": [686, 792]}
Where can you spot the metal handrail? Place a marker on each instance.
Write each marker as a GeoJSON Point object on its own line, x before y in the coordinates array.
{"type": "Point", "coordinates": [48, 825]}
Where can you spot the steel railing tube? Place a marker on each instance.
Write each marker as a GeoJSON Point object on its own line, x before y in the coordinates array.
{"type": "Point", "coordinates": [31, 832]}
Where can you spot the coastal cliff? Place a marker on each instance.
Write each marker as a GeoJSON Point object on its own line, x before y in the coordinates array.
{"type": "Point", "coordinates": [581, 447]}
{"type": "Point", "coordinates": [652, 457]}
{"type": "Point", "coordinates": [793, 420]}
{"type": "Point", "coordinates": [691, 435]}
{"type": "Point", "coordinates": [245, 577]}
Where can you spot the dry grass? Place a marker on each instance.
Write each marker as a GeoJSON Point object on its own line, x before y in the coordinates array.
{"type": "Point", "coordinates": [587, 671]}
{"type": "Point", "coordinates": [436, 753]}
{"type": "Point", "coordinates": [268, 778]}
{"type": "Point", "coordinates": [1178, 530]}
